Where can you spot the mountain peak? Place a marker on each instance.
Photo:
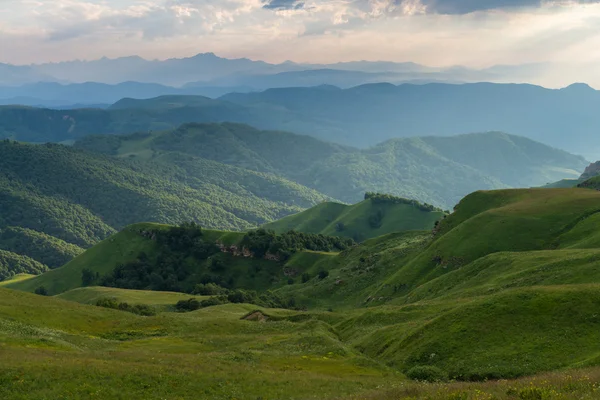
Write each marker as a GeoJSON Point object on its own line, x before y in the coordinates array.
{"type": "Point", "coordinates": [580, 87]}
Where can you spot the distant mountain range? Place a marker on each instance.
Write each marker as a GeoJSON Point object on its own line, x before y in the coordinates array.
{"type": "Point", "coordinates": [207, 69]}
{"type": "Point", "coordinates": [361, 116]}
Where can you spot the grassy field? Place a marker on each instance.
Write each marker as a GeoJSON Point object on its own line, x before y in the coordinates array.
{"type": "Point", "coordinates": [163, 301]}
{"type": "Point", "coordinates": [63, 350]}
{"type": "Point", "coordinates": [334, 219]}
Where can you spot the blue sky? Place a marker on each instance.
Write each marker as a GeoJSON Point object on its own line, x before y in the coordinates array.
{"type": "Point", "coordinates": [475, 33]}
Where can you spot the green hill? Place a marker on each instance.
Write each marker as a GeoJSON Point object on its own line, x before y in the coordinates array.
{"type": "Point", "coordinates": [165, 266]}
{"type": "Point", "coordinates": [434, 170]}
{"type": "Point", "coordinates": [505, 287]}
{"type": "Point", "coordinates": [55, 198]}
{"type": "Point", "coordinates": [564, 184]}
{"type": "Point", "coordinates": [370, 218]}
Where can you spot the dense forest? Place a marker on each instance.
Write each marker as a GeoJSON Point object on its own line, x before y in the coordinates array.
{"type": "Point", "coordinates": [12, 264]}
{"type": "Point", "coordinates": [41, 247]}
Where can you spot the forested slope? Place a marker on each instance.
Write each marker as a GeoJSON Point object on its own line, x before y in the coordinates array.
{"type": "Point", "coordinates": [434, 170]}
{"type": "Point", "coordinates": [80, 198]}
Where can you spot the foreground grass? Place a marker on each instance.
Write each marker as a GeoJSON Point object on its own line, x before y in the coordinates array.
{"type": "Point", "coordinates": [567, 385]}
{"type": "Point", "coordinates": [56, 349]}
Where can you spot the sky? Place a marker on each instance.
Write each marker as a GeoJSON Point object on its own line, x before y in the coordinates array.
{"type": "Point", "coordinates": [474, 33]}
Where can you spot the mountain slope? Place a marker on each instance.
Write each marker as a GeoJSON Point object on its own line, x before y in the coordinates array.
{"type": "Point", "coordinates": [367, 219]}
{"type": "Point", "coordinates": [438, 171]}
{"type": "Point", "coordinates": [80, 197]}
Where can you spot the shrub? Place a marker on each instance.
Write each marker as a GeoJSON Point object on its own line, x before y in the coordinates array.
{"type": "Point", "coordinates": [305, 277]}
{"type": "Point", "coordinates": [427, 373]}
{"type": "Point", "coordinates": [209, 289]}
{"type": "Point", "coordinates": [187, 305]}
{"type": "Point", "coordinates": [290, 281]}
{"type": "Point", "coordinates": [323, 274]}
{"type": "Point", "coordinates": [89, 277]}
{"type": "Point", "coordinates": [213, 301]}
{"type": "Point", "coordinates": [139, 309]}
{"type": "Point", "coordinates": [42, 291]}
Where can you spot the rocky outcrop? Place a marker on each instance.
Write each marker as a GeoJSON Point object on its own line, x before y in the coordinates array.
{"type": "Point", "coordinates": [592, 170]}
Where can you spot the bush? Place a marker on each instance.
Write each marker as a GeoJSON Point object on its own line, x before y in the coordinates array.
{"type": "Point", "coordinates": [89, 277]}
{"type": "Point", "coordinates": [187, 305]}
{"type": "Point", "coordinates": [139, 309]}
{"type": "Point", "coordinates": [41, 291]}
{"type": "Point", "coordinates": [323, 274]}
{"type": "Point", "coordinates": [427, 373]}
{"type": "Point", "coordinates": [305, 277]}
{"type": "Point", "coordinates": [213, 301]}
{"type": "Point", "coordinates": [210, 289]}
{"type": "Point", "coordinates": [291, 281]}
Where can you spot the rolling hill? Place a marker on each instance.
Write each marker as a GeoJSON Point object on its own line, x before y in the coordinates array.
{"type": "Point", "coordinates": [365, 220]}
{"type": "Point", "coordinates": [504, 276]}
{"type": "Point", "coordinates": [434, 170]}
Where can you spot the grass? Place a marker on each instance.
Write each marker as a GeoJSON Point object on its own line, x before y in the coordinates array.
{"type": "Point", "coordinates": [335, 219]}
{"type": "Point", "coordinates": [163, 301]}
{"type": "Point", "coordinates": [16, 278]}
{"type": "Point", "coordinates": [571, 385]}
{"type": "Point", "coordinates": [60, 349]}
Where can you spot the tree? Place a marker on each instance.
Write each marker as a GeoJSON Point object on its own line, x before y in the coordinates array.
{"type": "Point", "coordinates": [88, 277]}
{"type": "Point", "coordinates": [323, 274]}
{"type": "Point", "coordinates": [305, 277]}
{"type": "Point", "coordinates": [42, 291]}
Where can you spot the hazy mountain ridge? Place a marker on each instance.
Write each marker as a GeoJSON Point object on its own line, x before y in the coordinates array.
{"type": "Point", "coordinates": [361, 116]}
{"type": "Point", "coordinates": [435, 170]}
{"type": "Point", "coordinates": [210, 69]}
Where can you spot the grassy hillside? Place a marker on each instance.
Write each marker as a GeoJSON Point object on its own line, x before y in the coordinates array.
{"type": "Point", "coordinates": [435, 170]}
{"type": "Point", "coordinates": [361, 221]}
{"type": "Point", "coordinates": [161, 354]}
{"type": "Point", "coordinates": [563, 184]}
{"type": "Point", "coordinates": [138, 242]}
{"type": "Point", "coordinates": [45, 341]}
{"type": "Point", "coordinates": [55, 198]}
